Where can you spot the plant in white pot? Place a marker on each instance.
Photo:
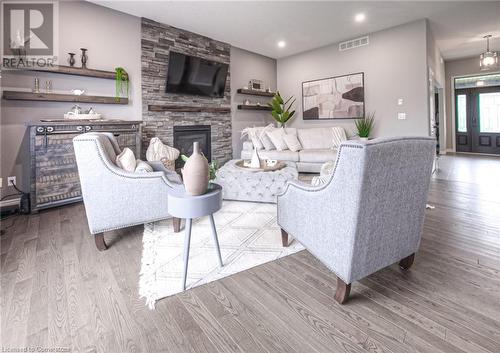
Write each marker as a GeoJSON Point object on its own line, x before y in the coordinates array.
{"type": "Point", "coordinates": [280, 109]}
{"type": "Point", "coordinates": [365, 126]}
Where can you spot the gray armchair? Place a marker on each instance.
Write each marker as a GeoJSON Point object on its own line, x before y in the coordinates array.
{"type": "Point", "coordinates": [113, 197]}
{"type": "Point", "coordinates": [369, 214]}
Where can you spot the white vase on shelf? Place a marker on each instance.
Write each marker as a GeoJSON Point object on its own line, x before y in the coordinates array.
{"type": "Point", "coordinates": [255, 162]}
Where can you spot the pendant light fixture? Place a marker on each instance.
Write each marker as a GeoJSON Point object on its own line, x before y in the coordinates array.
{"type": "Point", "coordinates": [488, 60]}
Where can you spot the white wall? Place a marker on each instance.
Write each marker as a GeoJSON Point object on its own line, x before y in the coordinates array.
{"type": "Point", "coordinates": [246, 65]}
{"type": "Point", "coordinates": [437, 84]}
{"type": "Point", "coordinates": [112, 39]}
{"type": "Point", "coordinates": [395, 66]}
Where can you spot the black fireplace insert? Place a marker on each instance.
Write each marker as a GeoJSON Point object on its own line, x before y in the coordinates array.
{"type": "Point", "coordinates": [185, 135]}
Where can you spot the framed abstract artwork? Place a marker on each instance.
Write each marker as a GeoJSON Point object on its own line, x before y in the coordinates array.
{"type": "Point", "coordinates": [340, 97]}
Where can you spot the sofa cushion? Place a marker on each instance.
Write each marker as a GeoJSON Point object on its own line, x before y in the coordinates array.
{"type": "Point", "coordinates": [292, 142]}
{"type": "Point", "coordinates": [315, 138]}
{"type": "Point", "coordinates": [339, 136]}
{"type": "Point", "coordinates": [318, 155]}
{"type": "Point", "coordinates": [276, 137]}
{"type": "Point", "coordinates": [266, 141]}
{"type": "Point", "coordinates": [286, 155]}
{"type": "Point", "coordinates": [126, 160]}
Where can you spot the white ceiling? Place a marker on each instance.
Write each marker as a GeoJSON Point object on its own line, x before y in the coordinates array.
{"type": "Point", "coordinates": [257, 26]}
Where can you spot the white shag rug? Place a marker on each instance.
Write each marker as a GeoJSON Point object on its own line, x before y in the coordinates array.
{"type": "Point", "coordinates": [248, 237]}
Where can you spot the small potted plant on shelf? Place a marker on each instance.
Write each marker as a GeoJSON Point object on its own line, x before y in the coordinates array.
{"type": "Point", "coordinates": [122, 82]}
{"type": "Point", "coordinates": [365, 126]}
{"type": "Point", "coordinates": [280, 109]}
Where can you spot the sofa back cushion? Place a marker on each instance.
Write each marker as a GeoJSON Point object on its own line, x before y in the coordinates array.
{"type": "Point", "coordinates": [315, 138]}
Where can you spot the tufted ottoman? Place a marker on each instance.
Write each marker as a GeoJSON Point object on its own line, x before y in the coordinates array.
{"type": "Point", "coordinates": [243, 185]}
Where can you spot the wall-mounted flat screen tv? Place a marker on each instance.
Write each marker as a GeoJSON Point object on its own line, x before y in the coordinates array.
{"type": "Point", "coordinates": [192, 75]}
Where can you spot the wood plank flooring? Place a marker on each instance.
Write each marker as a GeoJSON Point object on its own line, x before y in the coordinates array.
{"type": "Point", "coordinates": [59, 291]}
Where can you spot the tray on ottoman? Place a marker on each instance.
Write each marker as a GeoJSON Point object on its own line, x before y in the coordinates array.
{"type": "Point", "coordinates": [243, 184]}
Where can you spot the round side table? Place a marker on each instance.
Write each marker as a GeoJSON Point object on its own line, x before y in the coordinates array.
{"type": "Point", "coordinates": [182, 205]}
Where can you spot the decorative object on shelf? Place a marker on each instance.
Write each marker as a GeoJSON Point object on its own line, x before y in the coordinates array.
{"type": "Point", "coordinates": [48, 86]}
{"type": "Point", "coordinates": [281, 109]}
{"type": "Point", "coordinates": [257, 85]}
{"type": "Point", "coordinates": [36, 85]}
{"type": "Point", "coordinates": [195, 173]}
{"type": "Point", "coordinates": [78, 92]}
{"type": "Point", "coordinates": [346, 99]}
{"type": "Point", "coordinates": [246, 102]}
{"type": "Point", "coordinates": [71, 59]}
{"type": "Point", "coordinates": [75, 110]}
{"type": "Point", "coordinates": [158, 151]}
{"type": "Point", "coordinates": [365, 126]}
{"type": "Point", "coordinates": [489, 59]}
{"type": "Point", "coordinates": [84, 58]}
{"type": "Point", "coordinates": [120, 79]}
{"type": "Point", "coordinates": [255, 161]}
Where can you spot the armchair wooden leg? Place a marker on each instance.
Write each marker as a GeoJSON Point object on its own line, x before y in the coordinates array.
{"type": "Point", "coordinates": [177, 224]}
{"type": "Point", "coordinates": [284, 238]}
{"type": "Point", "coordinates": [406, 263]}
{"type": "Point", "coordinates": [99, 242]}
{"type": "Point", "coordinates": [343, 290]}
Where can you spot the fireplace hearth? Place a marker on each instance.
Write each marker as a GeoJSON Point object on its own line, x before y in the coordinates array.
{"type": "Point", "coordinates": [186, 135]}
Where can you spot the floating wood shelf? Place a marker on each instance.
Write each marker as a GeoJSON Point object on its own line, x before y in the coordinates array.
{"type": "Point", "coordinates": [253, 92]}
{"type": "Point", "coordinates": [253, 107]}
{"type": "Point", "coordinates": [78, 71]}
{"type": "Point", "coordinates": [57, 97]}
{"type": "Point", "coordinates": [188, 109]}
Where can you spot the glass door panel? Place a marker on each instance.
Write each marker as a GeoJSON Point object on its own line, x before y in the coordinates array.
{"type": "Point", "coordinates": [489, 112]}
{"type": "Point", "coordinates": [461, 113]}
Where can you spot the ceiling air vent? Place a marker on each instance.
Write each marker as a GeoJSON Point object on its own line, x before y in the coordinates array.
{"type": "Point", "coordinates": [354, 43]}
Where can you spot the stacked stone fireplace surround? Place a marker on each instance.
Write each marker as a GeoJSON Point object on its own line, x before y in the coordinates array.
{"type": "Point", "coordinates": [157, 40]}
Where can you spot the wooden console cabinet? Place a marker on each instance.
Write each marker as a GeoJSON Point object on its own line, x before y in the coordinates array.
{"type": "Point", "coordinates": [54, 177]}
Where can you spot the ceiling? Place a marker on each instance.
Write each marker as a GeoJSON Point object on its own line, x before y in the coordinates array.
{"type": "Point", "coordinates": [257, 26]}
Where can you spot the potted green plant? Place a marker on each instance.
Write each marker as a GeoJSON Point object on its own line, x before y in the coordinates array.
{"type": "Point", "coordinates": [280, 109]}
{"type": "Point", "coordinates": [122, 82]}
{"type": "Point", "coordinates": [365, 126]}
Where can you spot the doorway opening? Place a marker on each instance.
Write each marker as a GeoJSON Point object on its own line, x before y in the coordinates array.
{"type": "Point", "coordinates": [477, 114]}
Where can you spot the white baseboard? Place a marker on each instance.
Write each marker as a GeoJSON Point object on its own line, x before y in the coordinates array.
{"type": "Point", "coordinates": [451, 150]}
{"type": "Point", "coordinates": [10, 202]}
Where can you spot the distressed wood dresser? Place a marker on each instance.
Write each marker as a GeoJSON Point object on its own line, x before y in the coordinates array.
{"type": "Point", "coordinates": [53, 173]}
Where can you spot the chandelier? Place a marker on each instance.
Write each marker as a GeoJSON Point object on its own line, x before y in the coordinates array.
{"type": "Point", "coordinates": [488, 60]}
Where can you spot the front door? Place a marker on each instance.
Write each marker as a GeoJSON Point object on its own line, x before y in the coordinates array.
{"type": "Point", "coordinates": [478, 120]}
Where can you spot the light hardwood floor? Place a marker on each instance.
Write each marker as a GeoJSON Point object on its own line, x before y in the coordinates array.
{"type": "Point", "coordinates": [59, 291]}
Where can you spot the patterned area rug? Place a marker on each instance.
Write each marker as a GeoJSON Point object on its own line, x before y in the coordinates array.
{"type": "Point", "coordinates": [248, 237]}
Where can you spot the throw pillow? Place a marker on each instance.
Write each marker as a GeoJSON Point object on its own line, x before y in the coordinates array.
{"type": "Point", "coordinates": [126, 160]}
{"type": "Point", "coordinates": [276, 136]}
{"type": "Point", "coordinates": [266, 141]}
{"type": "Point", "coordinates": [292, 142]}
{"type": "Point", "coordinates": [253, 134]}
{"type": "Point", "coordinates": [143, 167]}
{"type": "Point", "coordinates": [339, 136]}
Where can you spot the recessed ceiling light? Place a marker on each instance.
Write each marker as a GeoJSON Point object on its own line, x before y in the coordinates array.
{"type": "Point", "coordinates": [360, 17]}
{"type": "Point", "coordinates": [281, 44]}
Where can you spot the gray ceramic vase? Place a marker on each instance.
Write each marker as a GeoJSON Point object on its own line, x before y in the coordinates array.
{"type": "Point", "coordinates": [195, 173]}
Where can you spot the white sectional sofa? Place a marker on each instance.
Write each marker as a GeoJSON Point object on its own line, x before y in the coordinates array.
{"type": "Point", "coordinates": [318, 146]}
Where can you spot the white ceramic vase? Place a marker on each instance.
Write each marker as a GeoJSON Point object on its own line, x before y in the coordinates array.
{"type": "Point", "coordinates": [255, 162]}
{"type": "Point", "coordinates": [195, 173]}
{"type": "Point", "coordinates": [363, 138]}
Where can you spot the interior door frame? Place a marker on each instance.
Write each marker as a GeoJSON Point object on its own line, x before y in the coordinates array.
{"type": "Point", "coordinates": [452, 101]}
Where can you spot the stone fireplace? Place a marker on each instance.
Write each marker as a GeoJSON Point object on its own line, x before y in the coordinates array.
{"type": "Point", "coordinates": [180, 119]}
{"type": "Point", "coordinates": [186, 135]}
